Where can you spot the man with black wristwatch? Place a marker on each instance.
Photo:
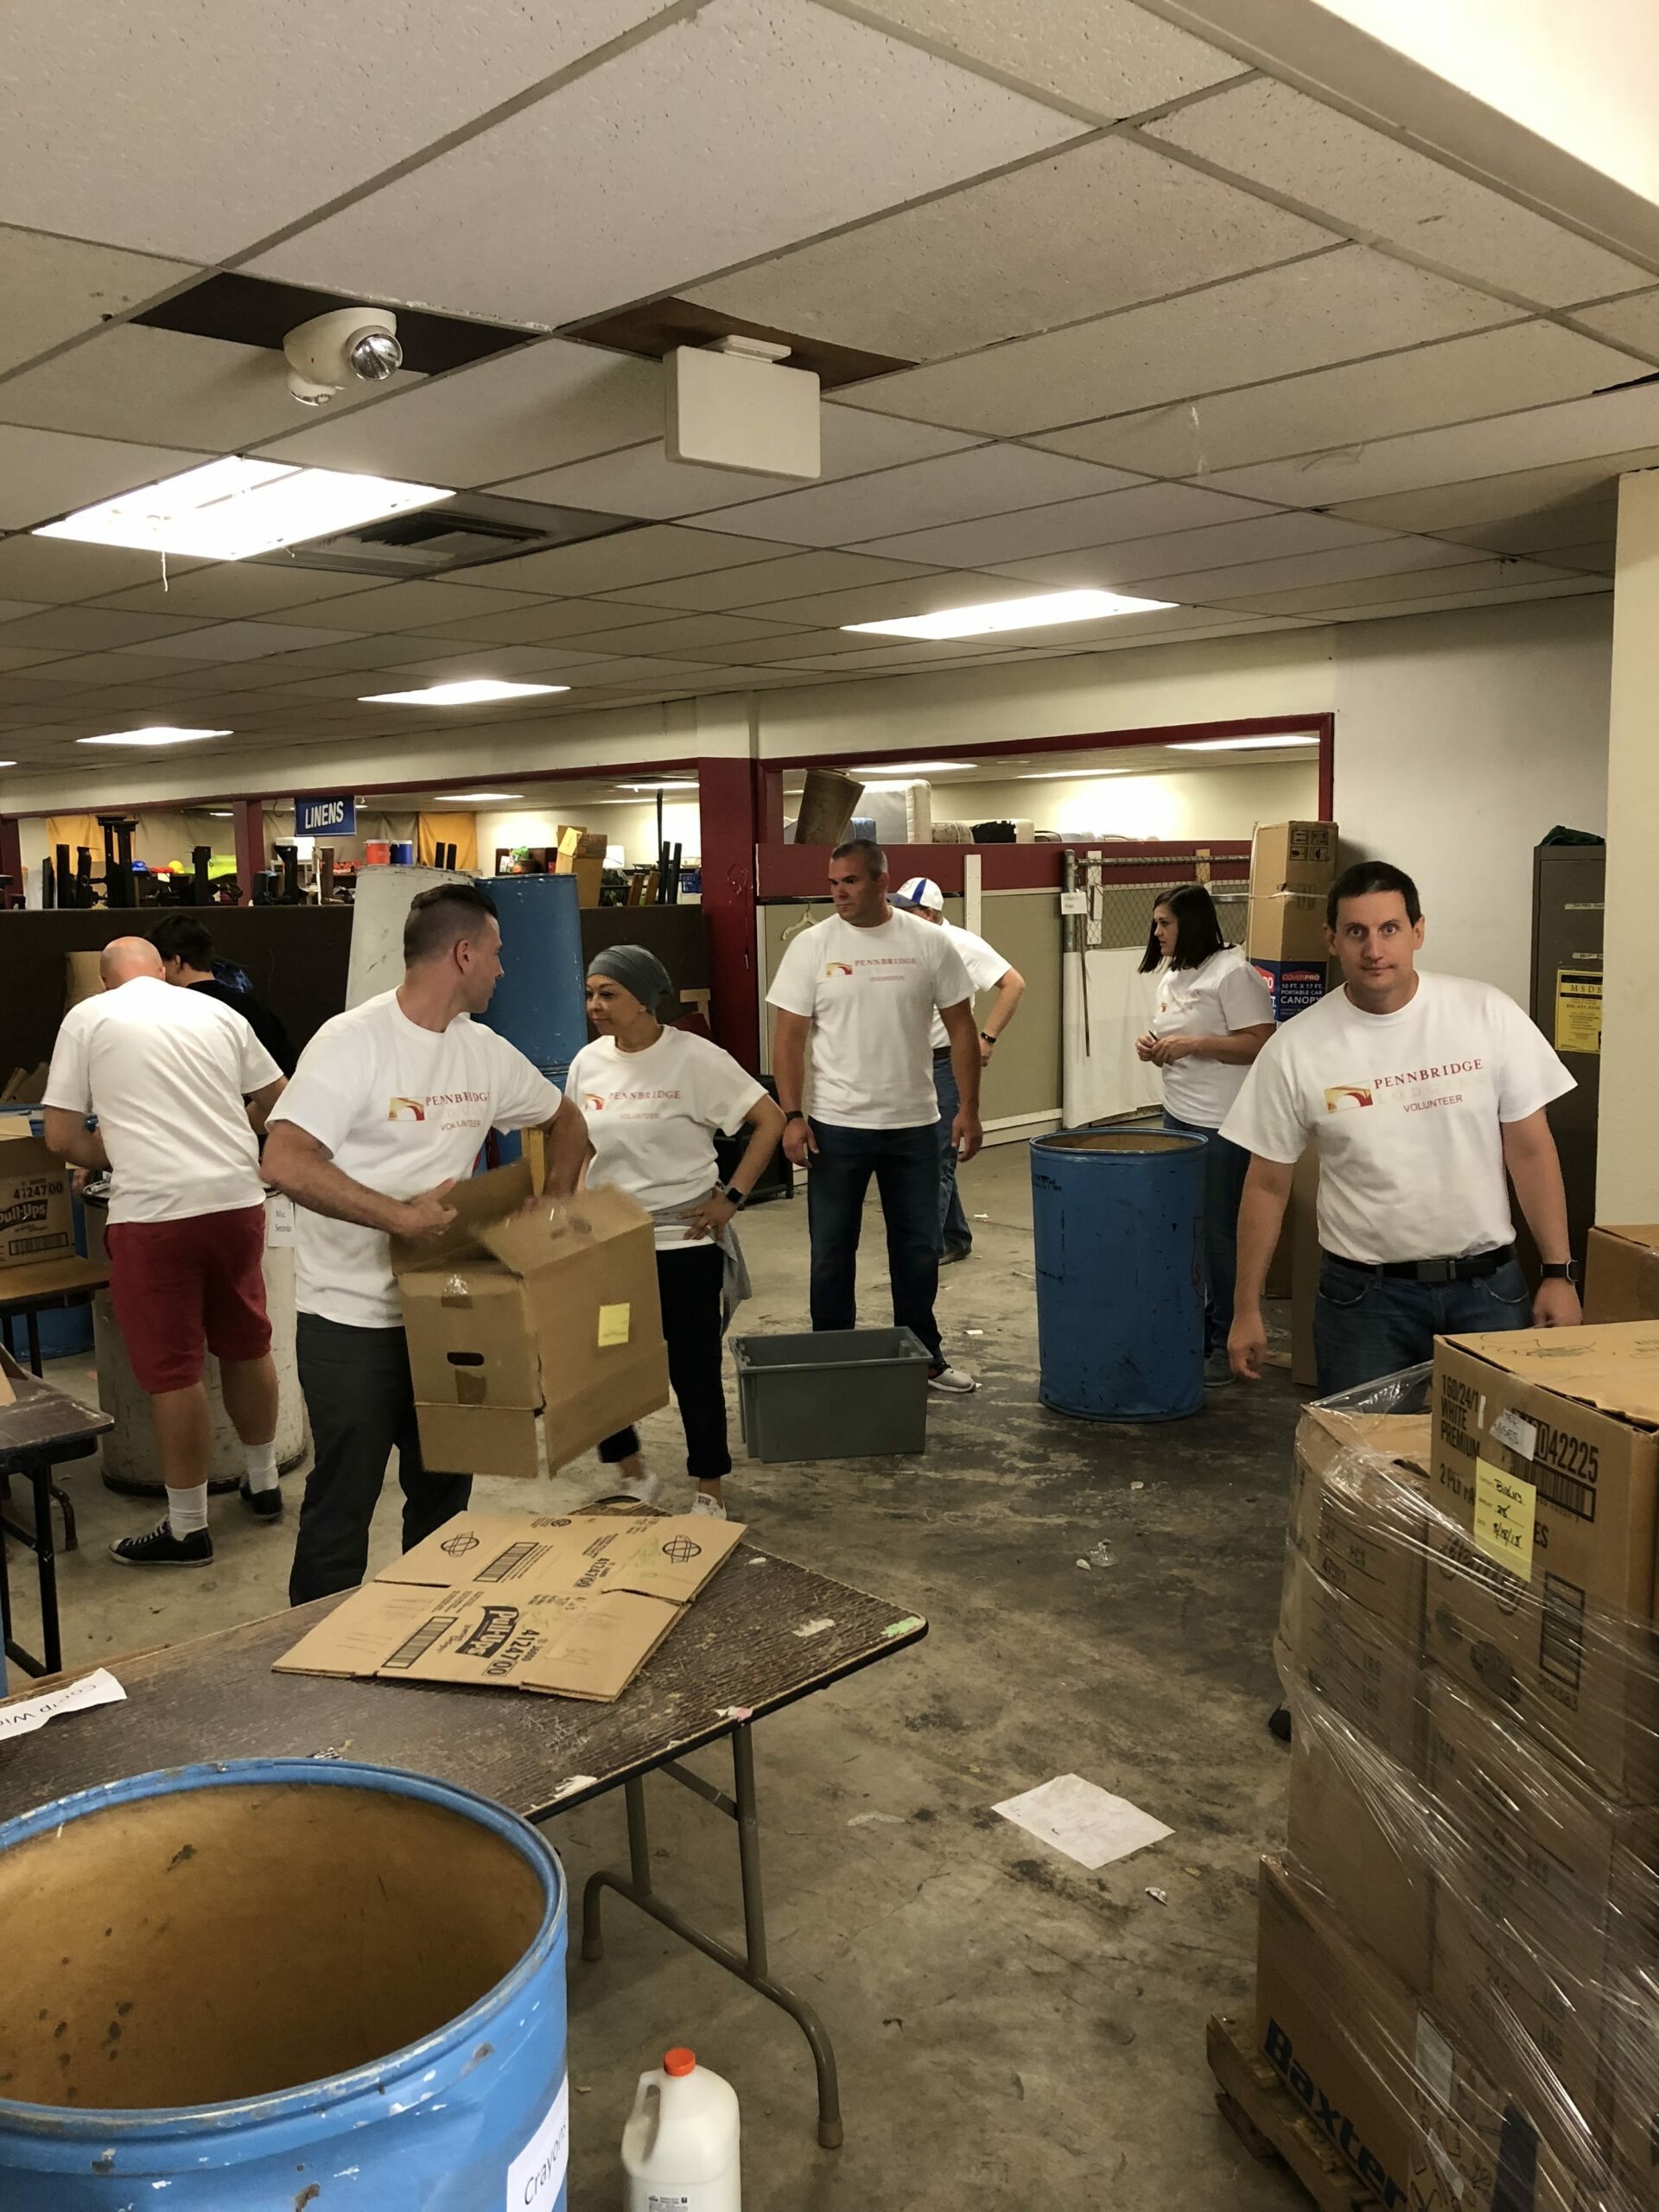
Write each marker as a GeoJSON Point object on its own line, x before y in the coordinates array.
{"type": "Point", "coordinates": [1425, 1096]}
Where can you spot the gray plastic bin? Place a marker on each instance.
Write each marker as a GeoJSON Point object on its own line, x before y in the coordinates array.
{"type": "Point", "coordinates": [839, 1393]}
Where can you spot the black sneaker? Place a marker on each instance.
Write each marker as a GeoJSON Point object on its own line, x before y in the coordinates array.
{"type": "Point", "coordinates": [952, 1252]}
{"type": "Point", "coordinates": [160, 1547]}
{"type": "Point", "coordinates": [263, 1504]}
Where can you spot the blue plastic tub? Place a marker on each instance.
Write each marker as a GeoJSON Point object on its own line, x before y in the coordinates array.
{"type": "Point", "coordinates": [271, 1984]}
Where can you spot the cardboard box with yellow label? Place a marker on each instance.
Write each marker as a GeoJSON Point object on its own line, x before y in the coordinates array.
{"type": "Point", "coordinates": [1541, 1578]}
{"type": "Point", "coordinates": [516, 1313]}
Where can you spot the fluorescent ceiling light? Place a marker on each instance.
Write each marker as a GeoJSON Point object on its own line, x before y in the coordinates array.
{"type": "Point", "coordinates": [161, 733]}
{"type": "Point", "coordinates": [903, 768]}
{"type": "Point", "coordinates": [475, 799]}
{"type": "Point", "coordinates": [222, 813]}
{"type": "Point", "coordinates": [229, 509]}
{"type": "Point", "coordinates": [8, 763]}
{"type": "Point", "coordinates": [1237, 744]}
{"type": "Point", "coordinates": [470, 692]}
{"type": "Point", "coordinates": [1069, 775]}
{"type": "Point", "coordinates": [658, 787]}
{"type": "Point", "coordinates": [1032, 614]}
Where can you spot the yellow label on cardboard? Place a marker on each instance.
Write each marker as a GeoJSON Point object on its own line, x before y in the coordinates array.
{"type": "Point", "coordinates": [1578, 1010]}
{"type": "Point", "coordinates": [613, 1324]}
{"type": "Point", "coordinates": [1505, 1510]}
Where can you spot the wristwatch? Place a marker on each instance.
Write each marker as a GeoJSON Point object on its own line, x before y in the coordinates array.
{"type": "Point", "coordinates": [1560, 1271]}
{"type": "Point", "coordinates": [731, 1195]}
{"type": "Point", "coordinates": [794, 1115]}
{"type": "Point", "coordinates": [988, 1037]}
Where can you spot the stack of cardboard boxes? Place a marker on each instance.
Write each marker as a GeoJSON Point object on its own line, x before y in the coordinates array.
{"type": "Point", "coordinates": [1293, 866]}
{"type": "Point", "coordinates": [1458, 1966]}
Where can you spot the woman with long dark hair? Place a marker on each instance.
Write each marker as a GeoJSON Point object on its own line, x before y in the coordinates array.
{"type": "Point", "coordinates": [1214, 1014]}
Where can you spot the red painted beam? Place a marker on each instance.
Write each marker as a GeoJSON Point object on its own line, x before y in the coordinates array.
{"type": "Point", "coordinates": [729, 801]}
{"type": "Point", "coordinates": [248, 828]}
{"type": "Point", "coordinates": [11, 860]}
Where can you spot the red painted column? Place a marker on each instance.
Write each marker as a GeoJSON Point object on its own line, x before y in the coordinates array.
{"type": "Point", "coordinates": [728, 799]}
{"type": "Point", "coordinates": [248, 826]}
{"type": "Point", "coordinates": [11, 860]}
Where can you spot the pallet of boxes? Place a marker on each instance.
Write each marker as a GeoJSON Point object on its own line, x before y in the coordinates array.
{"type": "Point", "coordinates": [1458, 1967]}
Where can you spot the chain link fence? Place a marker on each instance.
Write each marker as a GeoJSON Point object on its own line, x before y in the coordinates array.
{"type": "Point", "coordinates": [1120, 914]}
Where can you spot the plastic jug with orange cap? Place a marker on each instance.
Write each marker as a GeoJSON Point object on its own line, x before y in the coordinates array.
{"type": "Point", "coordinates": [680, 2146]}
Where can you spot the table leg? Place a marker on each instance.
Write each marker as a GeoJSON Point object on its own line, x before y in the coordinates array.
{"type": "Point", "coordinates": [749, 1965]}
{"type": "Point", "coordinates": [39, 1541]}
{"type": "Point", "coordinates": [67, 1507]}
{"type": "Point", "coordinates": [32, 1322]}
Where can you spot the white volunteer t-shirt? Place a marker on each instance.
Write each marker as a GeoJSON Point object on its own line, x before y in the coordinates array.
{"type": "Point", "coordinates": [1222, 994]}
{"type": "Point", "coordinates": [1407, 1110]}
{"type": "Point", "coordinates": [400, 1108]}
{"type": "Point", "coordinates": [166, 1072]}
{"type": "Point", "coordinates": [871, 996]}
{"type": "Point", "coordinates": [651, 1118]}
{"type": "Point", "coordinates": [985, 964]}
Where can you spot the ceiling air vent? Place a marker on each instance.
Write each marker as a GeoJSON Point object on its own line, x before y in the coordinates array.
{"type": "Point", "coordinates": [462, 533]}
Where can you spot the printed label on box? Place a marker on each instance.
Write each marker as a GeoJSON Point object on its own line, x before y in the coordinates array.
{"type": "Point", "coordinates": [1512, 1428]}
{"type": "Point", "coordinates": [537, 2175]}
{"type": "Point", "coordinates": [613, 1324]}
{"type": "Point", "coordinates": [1505, 1510]}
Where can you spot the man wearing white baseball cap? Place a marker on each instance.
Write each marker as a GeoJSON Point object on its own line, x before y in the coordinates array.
{"type": "Point", "coordinates": [987, 972]}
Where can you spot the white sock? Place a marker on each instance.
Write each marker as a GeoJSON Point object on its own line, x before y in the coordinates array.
{"type": "Point", "coordinates": [262, 1465]}
{"type": "Point", "coordinates": [186, 1510]}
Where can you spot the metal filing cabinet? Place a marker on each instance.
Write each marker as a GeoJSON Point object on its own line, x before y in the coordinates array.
{"type": "Point", "coordinates": [1568, 887]}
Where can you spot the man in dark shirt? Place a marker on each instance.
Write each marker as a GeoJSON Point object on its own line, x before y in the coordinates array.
{"type": "Point", "coordinates": [187, 960]}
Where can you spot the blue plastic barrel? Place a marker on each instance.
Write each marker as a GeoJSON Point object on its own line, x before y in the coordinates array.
{"type": "Point", "coordinates": [1117, 1217]}
{"type": "Point", "coordinates": [540, 1003]}
{"type": "Point", "coordinates": [276, 1983]}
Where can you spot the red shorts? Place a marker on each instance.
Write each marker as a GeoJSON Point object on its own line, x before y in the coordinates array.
{"type": "Point", "coordinates": [174, 1283]}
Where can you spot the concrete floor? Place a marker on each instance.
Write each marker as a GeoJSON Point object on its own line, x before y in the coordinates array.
{"type": "Point", "coordinates": [1014, 2032]}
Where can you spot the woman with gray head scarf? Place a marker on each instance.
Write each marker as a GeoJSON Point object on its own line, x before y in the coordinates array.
{"type": "Point", "coordinates": [653, 1098]}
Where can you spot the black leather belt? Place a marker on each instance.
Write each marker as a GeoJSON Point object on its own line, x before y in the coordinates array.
{"type": "Point", "coordinates": [941, 1052]}
{"type": "Point", "coordinates": [1470, 1268]}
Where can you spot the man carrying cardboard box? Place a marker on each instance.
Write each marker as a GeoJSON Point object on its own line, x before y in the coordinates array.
{"type": "Point", "coordinates": [167, 1073]}
{"type": "Point", "coordinates": [1421, 1093]}
{"type": "Point", "coordinates": [388, 1106]}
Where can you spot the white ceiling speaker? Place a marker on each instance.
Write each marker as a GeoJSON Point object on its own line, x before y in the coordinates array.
{"type": "Point", "coordinates": [345, 346]}
{"type": "Point", "coordinates": [734, 405]}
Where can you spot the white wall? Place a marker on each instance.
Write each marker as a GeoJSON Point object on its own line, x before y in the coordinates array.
{"type": "Point", "coordinates": [1193, 803]}
{"type": "Point", "coordinates": [1461, 739]}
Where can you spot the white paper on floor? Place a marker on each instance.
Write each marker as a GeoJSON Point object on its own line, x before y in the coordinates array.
{"type": "Point", "coordinates": [1083, 1820]}
{"type": "Point", "coordinates": [99, 1688]}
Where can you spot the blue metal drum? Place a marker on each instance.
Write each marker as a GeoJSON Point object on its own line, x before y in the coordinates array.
{"type": "Point", "coordinates": [540, 1004]}
{"type": "Point", "coordinates": [271, 1984]}
{"type": "Point", "coordinates": [1117, 1217]}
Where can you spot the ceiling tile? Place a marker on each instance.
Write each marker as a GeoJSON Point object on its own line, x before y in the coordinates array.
{"type": "Point", "coordinates": [55, 288]}
{"type": "Point", "coordinates": [1469, 580]}
{"type": "Point", "coordinates": [1572, 588]}
{"type": "Point", "coordinates": [227, 590]}
{"type": "Point", "coordinates": [642, 480]}
{"type": "Point", "coordinates": [617, 669]}
{"type": "Point", "coordinates": [1268, 537]}
{"type": "Point", "coordinates": [985, 481]}
{"type": "Point", "coordinates": [1495, 499]}
{"type": "Point", "coordinates": [1592, 516]}
{"type": "Point", "coordinates": [1335, 306]}
{"type": "Point", "coordinates": [420, 604]}
{"type": "Point", "coordinates": [791, 646]}
{"type": "Point", "coordinates": [635, 557]}
{"type": "Point", "coordinates": [927, 593]}
{"type": "Point", "coordinates": [1102, 55]}
{"type": "Point", "coordinates": [681, 633]}
{"type": "Point", "coordinates": [131, 382]}
{"type": "Point", "coordinates": [1630, 321]}
{"type": "Point", "coordinates": [1388, 556]}
{"type": "Point", "coordinates": [1272, 135]}
{"type": "Point", "coordinates": [1575, 429]}
{"type": "Point", "coordinates": [44, 474]}
{"type": "Point", "coordinates": [1142, 511]}
{"type": "Point", "coordinates": [747, 127]}
{"type": "Point", "coordinates": [198, 136]}
{"type": "Point", "coordinates": [1100, 226]}
{"type": "Point", "coordinates": [359, 652]}
{"type": "Point", "coordinates": [83, 670]}
{"type": "Point", "coordinates": [1493, 372]}
{"type": "Point", "coordinates": [245, 640]}
{"type": "Point", "coordinates": [89, 629]}
{"type": "Point", "coordinates": [60, 570]}
{"type": "Point", "coordinates": [534, 407]}
{"type": "Point", "coordinates": [1599, 559]}
{"type": "Point", "coordinates": [554, 618]}
{"type": "Point", "coordinates": [759, 581]}
{"type": "Point", "coordinates": [23, 657]}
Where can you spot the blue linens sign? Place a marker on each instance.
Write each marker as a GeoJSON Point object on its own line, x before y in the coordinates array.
{"type": "Point", "coordinates": [325, 818]}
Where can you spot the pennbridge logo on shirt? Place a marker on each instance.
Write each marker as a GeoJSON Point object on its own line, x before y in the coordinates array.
{"type": "Point", "coordinates": [1344, 1097]}
{"type": "Point", "coordinates": [440, 1106]}
{"type": "Point", "coordinates": [592, 1103]}
{"type": "Point", "coordinates": [837, 967]}
{"type": "Point", "coordinates": [406, 1109]}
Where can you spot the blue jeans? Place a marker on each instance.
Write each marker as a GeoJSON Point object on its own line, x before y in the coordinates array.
{"type": "Point", "coordinates": [954, 1235]}
{"type": "Point", "coordinates": [1225, 1166]}
{"type": "Point", "coordinates": [1366, 1324]}
{"type": "Point", "coordinates": [905, 1166]}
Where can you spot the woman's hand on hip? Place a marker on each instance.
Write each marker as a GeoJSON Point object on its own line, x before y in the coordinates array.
{"type": "Point", "coordinates": [708, 1219]}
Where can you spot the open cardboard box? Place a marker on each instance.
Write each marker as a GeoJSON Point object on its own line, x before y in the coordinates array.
{"type": "Point", "coordinates": [523, 1308]}
{"type": "Point", "coordinates": [563, 1605]}
{"type": "Point", "coordinates": [36, 1219]}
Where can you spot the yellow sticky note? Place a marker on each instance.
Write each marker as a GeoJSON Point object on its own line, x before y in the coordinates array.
{"type": "Point", "coordinates": [1505, 1509]}
{"type": "Point", "coordinates": [613, 1324]}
